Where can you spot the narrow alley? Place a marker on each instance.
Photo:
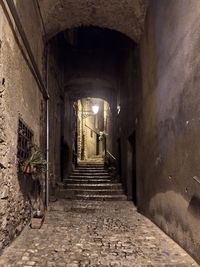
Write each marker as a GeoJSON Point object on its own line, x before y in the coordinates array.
{"type": "Point", "coordinates": [99, 133]}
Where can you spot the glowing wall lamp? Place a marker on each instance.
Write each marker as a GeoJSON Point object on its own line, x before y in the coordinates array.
{"type": "Point", "coordinates": [95, 109]}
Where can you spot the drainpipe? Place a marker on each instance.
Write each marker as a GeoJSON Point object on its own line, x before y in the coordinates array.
{"type": "Point", "coordinates": [47, 125]}
{"type": "Point", "coordinates": [47, 109]}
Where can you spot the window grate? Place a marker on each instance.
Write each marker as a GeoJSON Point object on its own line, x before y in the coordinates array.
{"type": "Point", "coordinates": [24, 143]}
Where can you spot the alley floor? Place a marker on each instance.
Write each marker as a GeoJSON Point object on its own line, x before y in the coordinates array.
{"type": "Point", "coordinates": [90, 233]}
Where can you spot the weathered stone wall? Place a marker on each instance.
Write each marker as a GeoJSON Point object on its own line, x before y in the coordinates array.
{"type": "Point", "coordinates": [79, 128]}
{"type": "Point", "coordinates": [90, 136]}
{"type": "Point", "coordinates": [19, 96]}
{"type": "Point", "coordinates": [168, 125]}
{"type": "Point", "coordinates": [93, 124]}
{"type": "Point", "coordinates": [84, 129]}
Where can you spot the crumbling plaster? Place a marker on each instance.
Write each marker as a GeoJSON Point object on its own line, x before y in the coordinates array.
{"type": "Point", "coordinates": [125, 16]}
{"type": "Point", "coordinates": [19, 96]}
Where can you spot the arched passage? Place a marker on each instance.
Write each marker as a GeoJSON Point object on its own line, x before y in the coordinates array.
{"type": "Point", "coordinates": [94, 63]}
{"type": "Point", "coordinates": [81, 87]}
{"type": "Point", "coordinates": [67, 14]}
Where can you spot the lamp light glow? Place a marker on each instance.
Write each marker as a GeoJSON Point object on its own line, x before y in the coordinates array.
{"type": "Point", "coordinates": [95, 109]}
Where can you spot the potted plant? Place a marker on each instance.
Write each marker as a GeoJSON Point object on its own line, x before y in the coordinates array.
{"type": "Point", "coordinates": [36, 165]}
{"type": "Point", "coordinates": [35, 162]}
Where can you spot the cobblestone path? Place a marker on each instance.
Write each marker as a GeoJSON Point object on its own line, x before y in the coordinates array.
{"type": "Point", "coordinates": [83, 233]}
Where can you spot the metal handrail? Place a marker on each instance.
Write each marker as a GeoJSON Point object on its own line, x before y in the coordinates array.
{"type": "Point", "coordinates": [111, 155]}
{"type": "Point", "coordinates": [92, 129]}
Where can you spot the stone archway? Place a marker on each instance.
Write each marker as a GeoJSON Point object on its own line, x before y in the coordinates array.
{"type": "Point", "coordinates": [91, 87]}
{"type": "Point", "coordinates": [124, 16]}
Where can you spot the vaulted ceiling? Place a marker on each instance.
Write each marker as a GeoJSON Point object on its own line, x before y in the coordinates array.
{"type": "Point", "coordinates": [125, 16]}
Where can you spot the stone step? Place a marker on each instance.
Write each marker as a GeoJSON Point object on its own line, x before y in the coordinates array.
{"type": "Point", "coordinates": [94, 186]}
{"type": "Point", "coordinates": [90, 168]}
{"type": "Point", "coordinates": [88, 177]}
{"type": "Point", "coordinates": [91, 165]}
{"type": "Point", "coordinates": [91, 162]}
{"type": "Point", "coordinates": [89, 171]}
{"type": "Point", "coordinates": [88, 192]}
{"type": "Point", "coordinates": [91, 181]}
{"type": "Point", "coordinates": [96, 197]}
{"type": "Point", "coordinates": [83, 181]}
{"type": "Point", "coordinates": [89, 174]}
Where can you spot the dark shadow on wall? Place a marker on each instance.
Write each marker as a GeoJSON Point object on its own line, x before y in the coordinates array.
{"type": "Point", "coordinates": [194, 206]}
{"type": "Point", "coordinates": [31, 189]}
{"type": "Point", "coordinates": [65, 159]}
{"type": "Point", "coordinates": [132, 168]}
{"type": "Point", "coordinates": [119, 158]}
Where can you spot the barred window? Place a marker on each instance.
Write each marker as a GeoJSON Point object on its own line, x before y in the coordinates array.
{"type": "Point", "coordinates": [25, 138]}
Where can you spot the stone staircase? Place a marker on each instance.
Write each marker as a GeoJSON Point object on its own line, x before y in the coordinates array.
{"type": "Point", "coordinates": [90, 181]}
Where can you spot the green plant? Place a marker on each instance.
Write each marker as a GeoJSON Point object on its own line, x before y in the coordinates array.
{"type": "Point", "coordinates": [35, 162]}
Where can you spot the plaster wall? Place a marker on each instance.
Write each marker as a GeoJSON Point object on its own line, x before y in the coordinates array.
{"type": "Point", "coordinates": [168, 125]}
{"type": "Point", "coordinates": [129, 101]}
{"type": "Point", "coordinates": [19, 97]}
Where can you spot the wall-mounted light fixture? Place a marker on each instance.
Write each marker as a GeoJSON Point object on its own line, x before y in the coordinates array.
{"type": "Point", "coordinates": [118, 109]}
{"type": "Point", "coordinates": [95, 109]}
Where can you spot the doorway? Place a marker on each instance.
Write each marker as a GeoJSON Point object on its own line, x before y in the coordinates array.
{"type": "Point", "coordinates": [119, 159]}
{"type": "Point", "coordinates": [132, 183]}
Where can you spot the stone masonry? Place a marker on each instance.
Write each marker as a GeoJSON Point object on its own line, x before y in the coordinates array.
{"type": "Point", "coordinates": [67, 14]}
{"type": "Point", "coordinates": [19, 97]}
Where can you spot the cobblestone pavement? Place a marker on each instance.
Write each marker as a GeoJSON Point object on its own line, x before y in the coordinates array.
{"type": "Point", "coordinates": [80, 234]}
